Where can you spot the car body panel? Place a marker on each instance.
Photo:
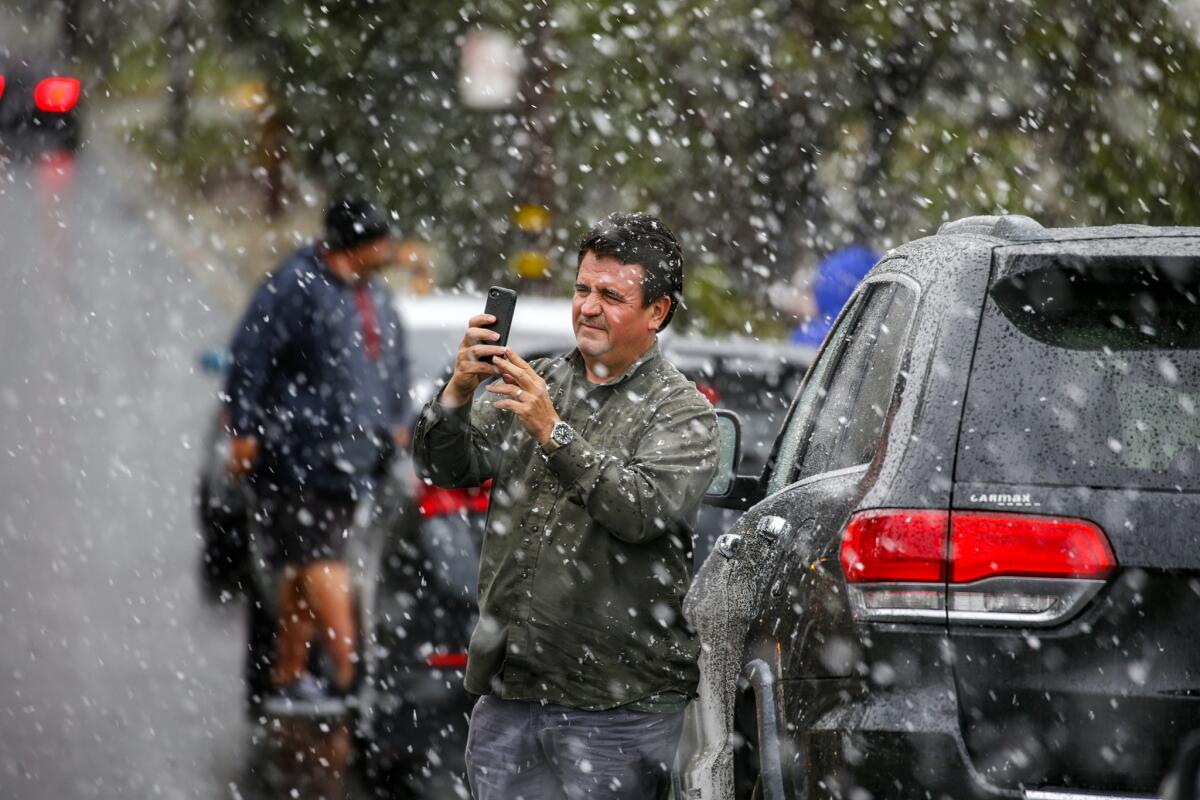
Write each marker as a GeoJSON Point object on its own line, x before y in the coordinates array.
{"type": "Point", "coordinates": [754, 600]}
{"type": "Point", "coordinates": [939, 709]}
{"type": "Point", "coordinates": [850, 739]}
{"type": "Point", "coordinates": [1099, 702]}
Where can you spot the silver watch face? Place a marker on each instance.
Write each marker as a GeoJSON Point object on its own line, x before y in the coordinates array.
{"type": "Point", "coordinates": [562, 434]}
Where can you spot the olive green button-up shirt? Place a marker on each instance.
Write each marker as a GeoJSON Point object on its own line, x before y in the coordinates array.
{"type": "Point", "coordinates": [587, 553]}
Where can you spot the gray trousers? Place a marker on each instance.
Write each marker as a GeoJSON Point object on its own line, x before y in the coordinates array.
{"type": "Point", "coordinates": [527, 751]}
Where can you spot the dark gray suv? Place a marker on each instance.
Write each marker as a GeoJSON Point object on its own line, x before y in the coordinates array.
{"type": "Point", "coordinates": [971, 566]}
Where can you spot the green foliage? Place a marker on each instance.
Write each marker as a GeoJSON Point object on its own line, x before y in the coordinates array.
{"type": "Point", "coordinates": [214, 155]}
{"type": "Point", "coordinates": [714, 306]}
{"type": "Point", "coordinates": [766, 132]}
{"type": "Point", "coordinates": [139, 69]}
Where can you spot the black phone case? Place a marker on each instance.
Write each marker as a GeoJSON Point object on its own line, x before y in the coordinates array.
{"type": "Point", "coordinates": [501, 303]}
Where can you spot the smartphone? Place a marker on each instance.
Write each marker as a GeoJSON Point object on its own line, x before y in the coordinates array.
{"type": "Point", "coordinates": [500, 304]}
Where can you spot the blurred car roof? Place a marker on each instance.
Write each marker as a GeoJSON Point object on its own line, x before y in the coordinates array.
{"type": "Point", "coordinates": [542, 326]}
{"type": "Point", "coordinates": [548, 317]}
{"type": "Point", "coordinates": [435, 324]}
{"type": "Point", "coordinates": [734, 353]}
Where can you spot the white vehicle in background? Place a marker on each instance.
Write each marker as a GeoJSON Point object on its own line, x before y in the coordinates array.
{"type": "Point", "coordinates": [435, 324]}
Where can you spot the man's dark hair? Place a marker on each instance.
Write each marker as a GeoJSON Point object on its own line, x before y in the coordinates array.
{"type": "Point", "coordinates": [643, 239]}
{"type": "Point", "coordinates": [351, 221]}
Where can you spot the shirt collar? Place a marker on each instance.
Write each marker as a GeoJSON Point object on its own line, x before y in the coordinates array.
{"type": "Point", "coordinates": [652, 353]}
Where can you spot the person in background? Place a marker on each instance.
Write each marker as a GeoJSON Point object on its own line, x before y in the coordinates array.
{"type": "Point", "coordinates": [318, 398]}
{"type": "Point", "coordinates": [838, 274]}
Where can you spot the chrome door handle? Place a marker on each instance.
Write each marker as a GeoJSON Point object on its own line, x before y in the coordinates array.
{"type": "Point", "coordinates": [729, 544]}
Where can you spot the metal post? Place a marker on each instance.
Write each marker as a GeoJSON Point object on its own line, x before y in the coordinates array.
{"type": "Point", "coordinates": [758, 672]}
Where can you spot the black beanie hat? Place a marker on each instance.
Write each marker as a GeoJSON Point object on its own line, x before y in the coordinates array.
{"type": "Point", "coordinates": [351, 221]}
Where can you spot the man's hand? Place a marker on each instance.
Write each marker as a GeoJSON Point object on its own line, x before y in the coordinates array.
{"type": "Point", "coordinates": [402, 436]}
{"type": "Point", "coordinates": [526, 395]}
{"type": "Point", "coordinates": [469, 371]}
{"type": "Point", "coordinates": [242, 452]}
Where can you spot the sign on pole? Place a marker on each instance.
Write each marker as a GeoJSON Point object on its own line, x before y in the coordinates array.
{"type": "Point", "coordinates": [491, 70]}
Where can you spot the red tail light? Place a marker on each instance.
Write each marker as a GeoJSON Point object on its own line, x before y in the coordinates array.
{"type": "Point", "coordinates": [987, 544]}
{"type": "Point", "coordinates": [436, 502]}
{"type": "Point", "coordinates": [972, 566]}
{"type": "Point", "coordinates": [1, 86]}
{"type": "Point", "coordinates": [446, 660]}
{"type": "Point", "coordinates": [56, 95]}
{"type": "Point", "coordinates": [710, 392]}
{"type": "Point", "coordinates": [888, 545]}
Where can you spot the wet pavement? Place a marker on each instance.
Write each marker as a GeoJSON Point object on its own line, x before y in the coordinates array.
{"type": "Point", "coordinates": [117, 677]}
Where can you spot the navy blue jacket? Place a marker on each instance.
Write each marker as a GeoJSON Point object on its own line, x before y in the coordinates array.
{"type": "Point", "coordinates": [315, 378]}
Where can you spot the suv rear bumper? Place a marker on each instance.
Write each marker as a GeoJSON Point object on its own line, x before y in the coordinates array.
{"type": "Point", "coordinates": [899, 744]}
{"type": "Point", "coordinates": [1064, 794]}
{"type": "Point", "coordinates": [913, 765]}
{"type": "Point", "coordinates": [893, 764]}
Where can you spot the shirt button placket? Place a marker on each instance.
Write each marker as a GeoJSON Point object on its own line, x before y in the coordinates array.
{"type": "Point", "coordinates": [529, 548]}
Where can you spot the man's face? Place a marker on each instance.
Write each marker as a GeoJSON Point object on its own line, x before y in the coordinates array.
{"type": "Point", "coordinates": [607, 310]}
{"type": "Point", "coordinates": [372, 256]}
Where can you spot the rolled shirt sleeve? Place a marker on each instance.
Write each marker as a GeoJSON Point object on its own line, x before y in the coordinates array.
{"type": "Point", "coordinates": [458, 448]}
{"type": "Point", "coordinates": [659, 488]}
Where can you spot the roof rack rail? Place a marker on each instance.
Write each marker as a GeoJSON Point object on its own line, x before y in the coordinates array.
{"type": "Point", "coordinates": [1008, 226]}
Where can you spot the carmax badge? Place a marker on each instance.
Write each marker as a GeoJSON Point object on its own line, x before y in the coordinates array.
{"type": "Point", "coordinates": [1006, 500]}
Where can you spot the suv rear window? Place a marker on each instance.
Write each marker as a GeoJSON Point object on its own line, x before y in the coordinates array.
{"type": "Point", "coordinates": [1087, 373]}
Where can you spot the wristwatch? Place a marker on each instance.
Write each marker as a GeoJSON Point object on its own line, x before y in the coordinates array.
{"type": "Point", "coordinates": [560, 436]}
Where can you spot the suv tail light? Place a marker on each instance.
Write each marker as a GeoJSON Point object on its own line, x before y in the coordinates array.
{"type": "Point", "coordinates": [1, 86]}
{"type": "Point", "coordinates": [444, 660]}
{"type": "Point", "coordinates": [972, 566]}
{"type": "Point", "coordinates": [436, 502]}
{"type": "Point", "coordinates": [56, 95]}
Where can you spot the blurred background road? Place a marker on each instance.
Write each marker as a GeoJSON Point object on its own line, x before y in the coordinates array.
{"type": "Point", "coordinates": [117, 679]}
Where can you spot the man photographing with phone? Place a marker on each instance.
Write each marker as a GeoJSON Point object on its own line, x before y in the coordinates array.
{"type": "Point", "coordinates": [599, 459]}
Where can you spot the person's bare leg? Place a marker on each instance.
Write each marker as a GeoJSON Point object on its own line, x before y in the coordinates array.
{"type": "Point", "coordinates": [296, 629]}
{"type": "Point", "coordinates": [327, 588]}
